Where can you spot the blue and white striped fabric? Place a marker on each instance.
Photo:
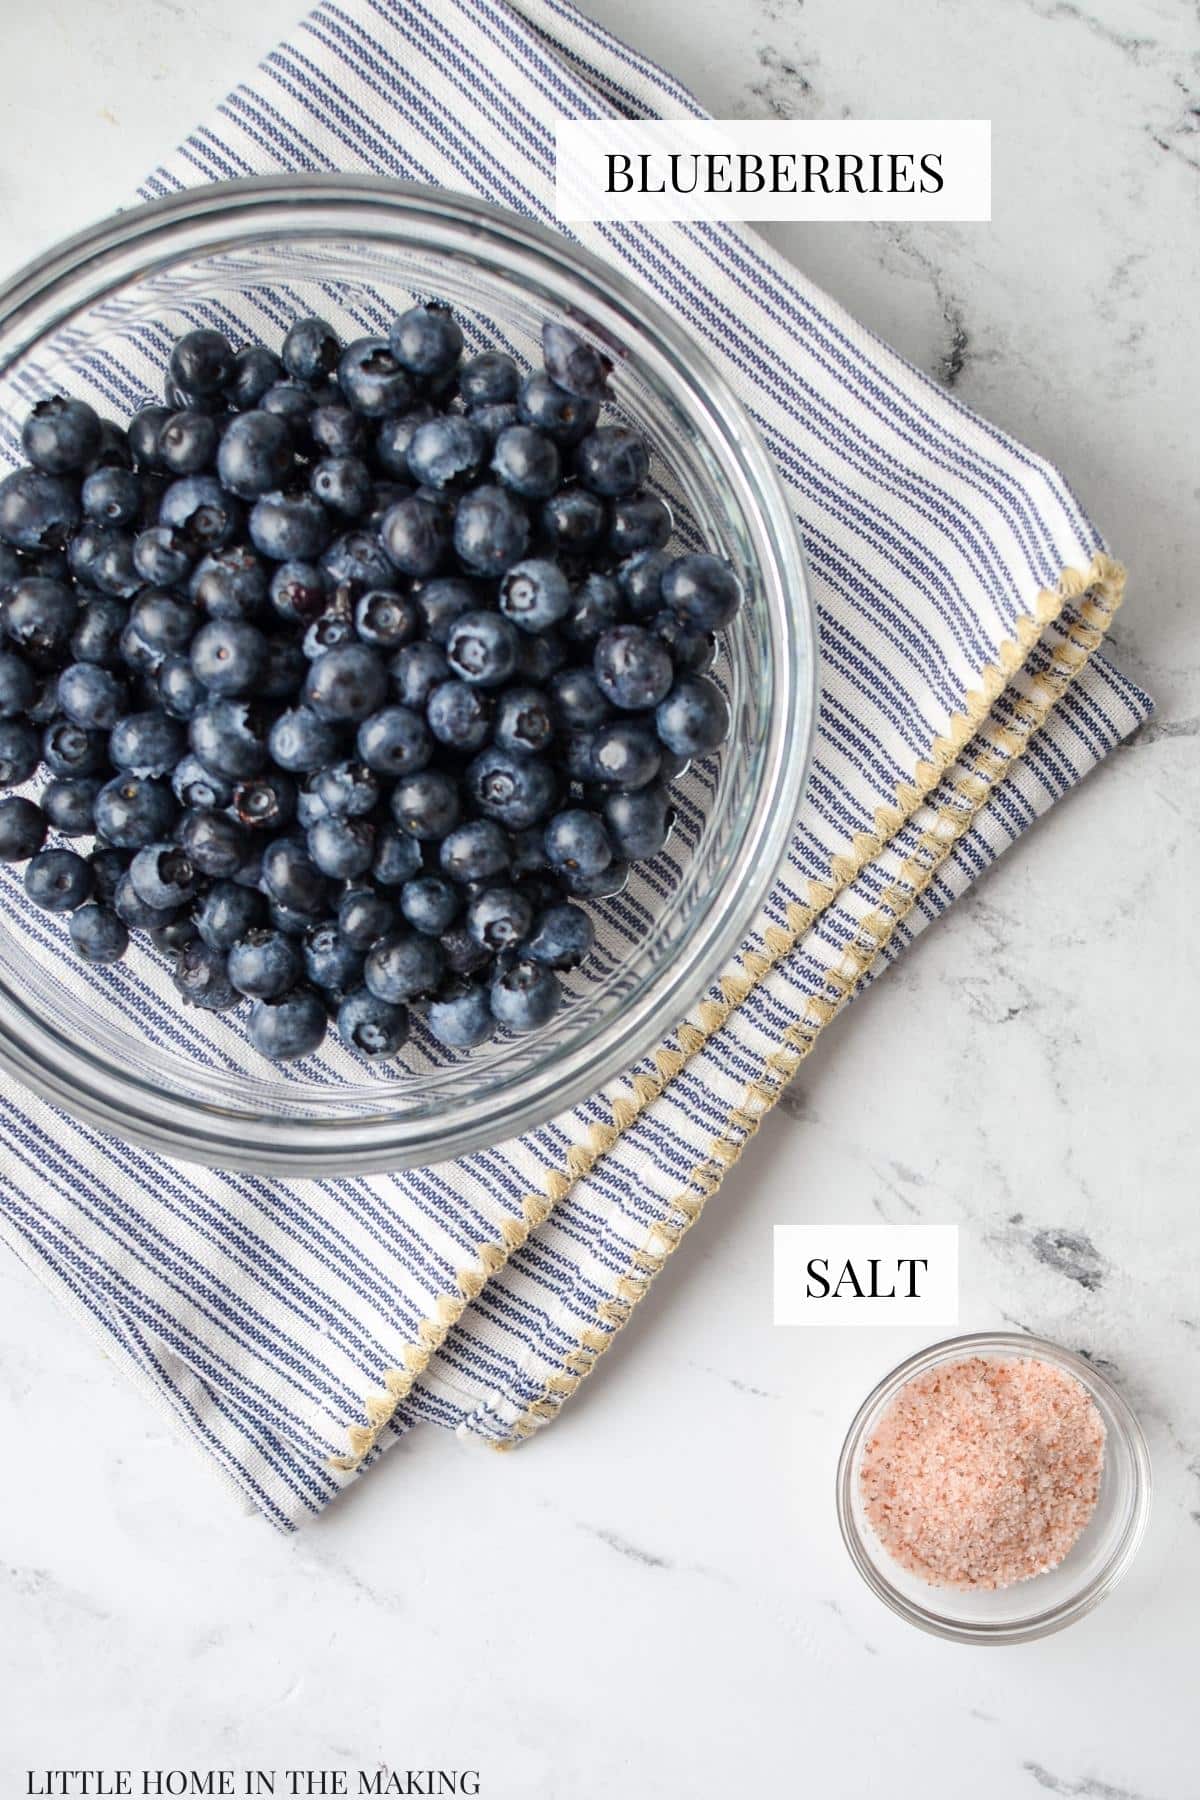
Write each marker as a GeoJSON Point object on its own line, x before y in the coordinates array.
{"type": "Point", "coordinates": [297, 1329]}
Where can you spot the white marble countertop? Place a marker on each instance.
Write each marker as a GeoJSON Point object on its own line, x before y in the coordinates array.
{"type": "Point", "coordinates": [652, 1600]}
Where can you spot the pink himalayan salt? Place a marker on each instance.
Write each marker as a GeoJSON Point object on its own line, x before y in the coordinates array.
{"type": "Point", "coordinates": [983, 1472]}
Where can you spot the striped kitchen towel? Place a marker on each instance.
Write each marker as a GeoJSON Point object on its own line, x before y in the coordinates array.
{"type": "Point", "coordinates": [296, 1329]}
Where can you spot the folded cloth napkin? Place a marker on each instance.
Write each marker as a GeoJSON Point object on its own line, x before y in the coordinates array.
{"type": "Point", "coordinates": [298, 1328]}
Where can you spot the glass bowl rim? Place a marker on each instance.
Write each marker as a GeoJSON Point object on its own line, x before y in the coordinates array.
{"type": "Point", "coordinates": [1037, 1623]}
{"type": "Point", "coordinates": [91, 265]}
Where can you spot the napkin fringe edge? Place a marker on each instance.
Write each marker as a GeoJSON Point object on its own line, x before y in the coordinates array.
{"type": "Point", "coordinates": [750, 968]}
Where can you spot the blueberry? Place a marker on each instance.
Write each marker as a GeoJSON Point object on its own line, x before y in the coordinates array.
{"type": "Point", "coordinates": [639, 823]}
{"type": "Point", "coordinates": [40, 616]}
{"type": "Point", "coordinates": [482, 649]}
{"type": "Point", "coordinates": [342, 848]}
{"type": "Point", "coordinates": [200, 978]}
{"type": "Point", "coordinates": [60, 435]}
{"type": "Point", "coordinates": [68, 749]}
{"type": "Point", "coordinates": [159, 625]}
{"type": "Point", "coordinates": [692, 652]}
{"type": "Point", "coordinates": [575, 365]}
{"type": "Point", "coordinates": [488, 379]}
{"type": "Point", "coordinates": [430, 904]}
{"type": "Point", "coordinates": [58, 880]}
{"type": "Point", "coordinates": [163, 875]}
{"type": "Point", "coordinates": [426, 805]}
{"type": "Point", "coordinates": [330, 963]}
{"type": "Point", "coordinates": [597, 885]}
{"type": "Point", "coordinates": [639, 523]}
{"type": "Point", "coordinates": [525, 996]}
{"type": "Point", "coordinates": [202, 362]}
{"type": "Point", "coordinates": [37, 511]}
{"type": "Point", "coordinates": [357, 560]}
{"type": "Point", "coordinates": [562, 937]}
{"type": "Point", "coordinates": [143, 434]}
{"type": "Point", "coordinates": [131, 811]}
{"type": "Point", "coordinates": [215, 844]}
{"type": "Point", "coordinates": [301, 740]}
{"type": "Point", "coordinates": [524, 723]}
{"type": "Point", "coordinates": [108, 867]}
{"type": "Point", "coordinates": [163, 555]}
{"type": "Point", "coordinates": [310, 350]}
{"type": "Point", "coordinates": [474, 851]}
{"type": "Point", "coordinates": [346, 790]}
{"type": "Point", "coordinates": [415, 671]}
{"type": "Point", "coordinates": [612, 460]}
{"type": "Point", "coordinates": [494, 419]}
{"type": "Point", "coordinates": [394, 741]}
{"type": "Point", "coordinates": [578, 700]}
{"type": "Point", "coordinates": [415, 535]}
{"type": "Point", "coordinates": [22, 828]}
{"type": "Point", "coordinates": [255, 370]}
{"type": "Point", "coordinates": [98, 935]}
{"type": "Point", "coordinates": [461, 1016]}
{"type": "Point", "coordinates": [387, 620]}
{"type": "Point", "coordinates": [373, 381]}
{"type": "Point", "coordinates": [229, 656]}
{"type": "Point", "coordinates": [110, 565]}
{"type": "Point", "coordinates": [632, 667]}
{"type": "Point", "coordinates": [266, 802]}
{"type": "Point", "coordinates": [343, 484]}
{"type": "Point", "coordinates": [294, 404]}
{"type": "Point", "coordinates": [17, 685]}
{"type": "Point", "coordinates": [548, 407]}
{"type": "Point", "coordinates": [194, 786]}
{"type": "Point", "coordinates": [337, 431]}
{"type": "Point", "coordinates": [288, 1028]}
{"type": "Point", "coordinates": [459, 715]}
{"type": "Point", "coordinates": [693, 718]}
{"type": "Point", "coordinates": [299, 591]}
{"type": "Point", "coordinates": [112, 497]}
{"type": "Point", "coordinates": [136, 914]}
{"type": "Point", "coordinates": [527, 461]}
{"type": "Point", "coordinates": [397, 856]}
{"type": "Point", "coordinates": [147, 743]}
{"type": "Point", "coordinates": [229, 737]}
{"type": "Point", "coordinates": [290, 876]}
{"type": "Point", "coordinates": [187, 443]}
{"type": "Point", "coordinates": [113, 449]}
{"type": "Point", "coordinates": [574, 521]}
{"type": "Point", "coordinates": [345, 684]}
{"type": "Point", "coordinates": [364, 916]}
{"type": "Point", "coordinates": [426, 339]}
{"type": "Point", "coordinates": [69, 804]}
{"type": "Point", "coordinates": [393, 437]}
{"type": "Point", "coordinates": [403, 967]}
{"type": "Point", "coordinates": [446, 451]}
{"type": "Point", "coordinates": [625, 754]}
{"type": "Point", "coordinates": [230, 583]}
{"type": "Point", "coordinates": [226, 913]}
{"type": "Point", "coordinates": [576, 841]}
{"type": "Point", "coordinates": [535, 594]}
{"type": "Point", "coordinates": [289, 527]}
{"type": "Point", "coordinates": [200, 506]}
{"type": "Point", "coordinates": [498, 918]}
{"type": "Point", "coordinates": [289, 919]}
{"type": "Point", "coordinates": [516, 791]}
{"type": "Point", "coordinates": [491, 530]}
{"type": "Point", "coordinates": [703, 590]}
{"type": "Point", "coordinates": [373, 1027]}
{"type": "Point", "coordinates": [462, 956]}
{"type": "Point", "coordinates": [97, 636]}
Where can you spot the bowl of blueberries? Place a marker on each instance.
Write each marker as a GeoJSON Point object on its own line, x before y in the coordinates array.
{"type": "Point", "coordinates": [406, 675]}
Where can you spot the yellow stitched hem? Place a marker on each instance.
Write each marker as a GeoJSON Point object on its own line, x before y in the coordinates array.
{"type": "Point", "coordinates": [1103, 577]}
{"type": "Point", "coordinates": [971, 783]}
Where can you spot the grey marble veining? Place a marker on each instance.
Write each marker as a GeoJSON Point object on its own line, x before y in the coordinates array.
{"type": "Point", "coordinates": [652, 1601]}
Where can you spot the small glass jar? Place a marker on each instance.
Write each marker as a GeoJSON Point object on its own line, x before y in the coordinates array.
{"type": "Point", "coordinates": [1044, 1603]}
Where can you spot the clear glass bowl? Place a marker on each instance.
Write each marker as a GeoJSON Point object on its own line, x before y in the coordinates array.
{"type": "Point", "coordinates": [1044, 1603]}
{"type": "Point", "coordinates": [96, 317]}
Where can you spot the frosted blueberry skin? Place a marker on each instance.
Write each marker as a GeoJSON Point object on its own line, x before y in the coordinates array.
{"type": "Point", "coordinates": [351, 669]}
